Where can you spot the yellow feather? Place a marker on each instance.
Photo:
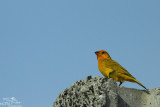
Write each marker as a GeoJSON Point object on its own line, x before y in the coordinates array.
{"type": "Point", "coordinates": [111, 69]}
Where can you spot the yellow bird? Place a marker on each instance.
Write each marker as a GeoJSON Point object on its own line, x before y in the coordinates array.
{"type": "Point", "coordinates": [111, 69]}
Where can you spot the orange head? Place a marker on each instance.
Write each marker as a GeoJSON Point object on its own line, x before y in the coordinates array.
{"type": "Point", "coordinates": [101, 54]}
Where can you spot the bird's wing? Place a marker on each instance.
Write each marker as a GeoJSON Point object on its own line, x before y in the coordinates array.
{"type": "Point", "coordinates": [118, 68]}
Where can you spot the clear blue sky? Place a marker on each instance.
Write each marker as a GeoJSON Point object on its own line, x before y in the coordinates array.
{"type": "Point", "coordinates": [46, 46]}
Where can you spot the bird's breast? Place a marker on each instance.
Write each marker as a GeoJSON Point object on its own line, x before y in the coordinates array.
{"type": "Point", "coordinates": [104, 70]}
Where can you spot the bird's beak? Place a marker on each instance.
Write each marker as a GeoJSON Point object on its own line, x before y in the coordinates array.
{"type": "Point", "coordinates": [96, 52]}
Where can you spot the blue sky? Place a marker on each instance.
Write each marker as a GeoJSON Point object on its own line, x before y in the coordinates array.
{"type": "Point", "coordinates": [46, 46]}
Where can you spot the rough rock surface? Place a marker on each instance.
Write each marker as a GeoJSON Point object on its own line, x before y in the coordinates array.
{"type": "Point", "coordinates": [103, 92]}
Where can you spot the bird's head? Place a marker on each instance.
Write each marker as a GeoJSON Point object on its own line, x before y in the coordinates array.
{"type": "Point", "coordinates": [101, 54]}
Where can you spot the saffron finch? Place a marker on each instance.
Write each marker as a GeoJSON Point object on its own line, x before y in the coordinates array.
{"type": "Point", "coordinates": [111, 69]}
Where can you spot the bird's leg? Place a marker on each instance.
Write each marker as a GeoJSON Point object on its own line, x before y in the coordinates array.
{"type": "Point", "coordinates": [120, 83]}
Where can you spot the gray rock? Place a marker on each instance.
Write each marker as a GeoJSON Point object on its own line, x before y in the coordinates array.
{"type": "Point", "coordinates": [102, 92]}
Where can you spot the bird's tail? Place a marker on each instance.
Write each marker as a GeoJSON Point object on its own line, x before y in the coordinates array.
{"type": "Point", "coordinates": [134, 80]}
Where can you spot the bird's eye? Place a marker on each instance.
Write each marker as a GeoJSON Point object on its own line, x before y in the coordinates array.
{"type": "Point", "coordinates": [102, 52]}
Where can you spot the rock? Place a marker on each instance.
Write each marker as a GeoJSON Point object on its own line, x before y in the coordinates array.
{"type": "Point", "coordinates": [129, 97]}
{"type": "Point", "coordinates": [102, 92]}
